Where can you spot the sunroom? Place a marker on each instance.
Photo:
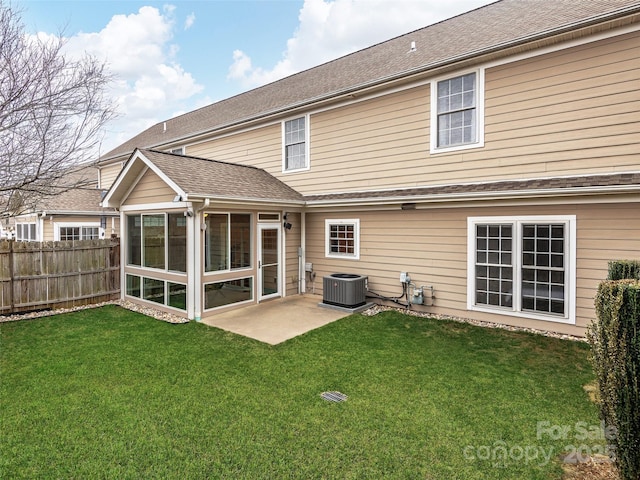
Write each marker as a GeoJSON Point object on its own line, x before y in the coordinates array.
{"type": "Point", "coordinates": [201, 236]}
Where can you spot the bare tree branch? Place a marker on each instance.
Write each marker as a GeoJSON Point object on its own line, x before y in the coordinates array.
{"type": "Point", "coordinates": [52, 114]}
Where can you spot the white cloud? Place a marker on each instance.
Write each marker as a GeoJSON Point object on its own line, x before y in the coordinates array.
{"type": "Point", "coordinates": [150, 82]}
{"type": "Point", "coordinates": [188, 23]}
{"type": "Point", "coordinates": [329, 29]}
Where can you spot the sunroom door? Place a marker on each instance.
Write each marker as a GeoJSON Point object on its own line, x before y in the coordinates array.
{"type": "Point", "coordinates": [269, 261]}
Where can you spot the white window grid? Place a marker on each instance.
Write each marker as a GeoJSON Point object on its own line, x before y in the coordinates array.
{"type": "Point", "coordinates": [295, 144]}
{"type": "Point", "coordinates": [342, 238]}
{"type": "Point", "coordinates": [523, 266]}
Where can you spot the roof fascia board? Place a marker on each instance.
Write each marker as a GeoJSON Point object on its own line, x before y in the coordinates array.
{"type": "Point", "coordinates": [106, 201]}
{"type": "Point", "coordinates": [82, 213]}
{"type": "Point", "coordinates": [564, 45]}
{"type": "Point", "coordinates": [165, 178]}
{"type": "Point", "coordinates": [247, 201]}
{"type": "Point", "coordinates": [137, 156]}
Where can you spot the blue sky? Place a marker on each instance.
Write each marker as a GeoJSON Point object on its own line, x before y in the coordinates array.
{"type": "Point", "coordinates": [174, 56]}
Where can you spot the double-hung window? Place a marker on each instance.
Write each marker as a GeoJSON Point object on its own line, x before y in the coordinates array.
{"type": "Point", "coordinates": [522, 266]}
{"type": "Point", "coordinates": [295, 134]}
{"type": "Point", "coordinates": [457, 112]}
{"type": "Point", "coordinates": [342, 238]}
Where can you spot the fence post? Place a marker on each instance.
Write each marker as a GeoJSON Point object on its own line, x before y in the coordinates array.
{"type": "Point", "coordinates": [11, 303]}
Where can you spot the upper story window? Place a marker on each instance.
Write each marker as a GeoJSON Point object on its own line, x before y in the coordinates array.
{"type": "Point", "coordinates": [26, 232]}
{"type": "Point", "coordinates": [457, 118]}
{"type": "Point", "coordinates": [295, 139]}
{"type": "Point", "coordinates": [177, 151]}
{"type": "Point", "coordinates": [523, 266]}
{"type": "Point", "coordinates": [342, 238]}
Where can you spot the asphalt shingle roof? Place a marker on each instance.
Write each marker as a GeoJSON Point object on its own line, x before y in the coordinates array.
{"type": "Point", "coordinates": [556, 185]}
{"type": "Point", "coordinates": [213, 178]}
{"type": "Point", "coordinates": [492, 27]}
{"type": "Point", "coordinates": [216, 179]}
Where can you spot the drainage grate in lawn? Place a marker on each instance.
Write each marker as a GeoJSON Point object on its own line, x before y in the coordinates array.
{"type": "Point", "coordinates": [334, 396]}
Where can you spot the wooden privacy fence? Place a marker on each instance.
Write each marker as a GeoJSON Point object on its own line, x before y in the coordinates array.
{"type": "Point", "coordinates": [42, 275]}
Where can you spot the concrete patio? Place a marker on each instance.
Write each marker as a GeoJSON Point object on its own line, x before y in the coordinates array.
{"type": "Point", "coordinates": [278, 320]}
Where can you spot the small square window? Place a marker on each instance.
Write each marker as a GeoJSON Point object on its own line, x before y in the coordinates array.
{"type": "Point", "coordinates": [342, 238]}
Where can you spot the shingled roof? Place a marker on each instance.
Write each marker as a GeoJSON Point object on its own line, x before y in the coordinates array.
{"type": "Point", "coordinates": [202, 178]}
{"type": "Point", "coordinates": [492, 28]}
{"type": "Point", "coordinates": [578, 185]}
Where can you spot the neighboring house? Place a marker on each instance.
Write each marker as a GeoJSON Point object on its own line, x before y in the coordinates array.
{"type": "Point", "coordinates": [494, 156]}
{"type": "Point", "coordinates": [72, 215]}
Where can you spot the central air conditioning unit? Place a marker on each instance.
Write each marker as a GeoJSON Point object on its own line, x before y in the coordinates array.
{"type": "Point", "coordinates": [344, 290]}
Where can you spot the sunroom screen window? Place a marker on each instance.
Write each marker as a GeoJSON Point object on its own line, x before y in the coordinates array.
{"type": "Point", "coordinates": [177, 251]}
{"type": "Point", "coordinates": [216, 242]}
{"type": "Point", "coordinates": [227, 241]}
{"type": "Point", "coordinates": [153, 237]}
{"type": "Point", "coordinates": [134, 240]}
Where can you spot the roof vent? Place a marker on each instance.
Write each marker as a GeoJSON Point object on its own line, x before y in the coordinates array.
{"type": "Point", "coordinates": [413, 47]}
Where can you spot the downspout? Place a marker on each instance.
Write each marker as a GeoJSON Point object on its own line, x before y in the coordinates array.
{"type": "Point", "coordinates": [194, 264]}
{"type": "Point", "coordinates": [123, 255]}
{"type": "Point", "coordinates": [303, 247]}
{"type": "Point", "coordinates": [40, 227]}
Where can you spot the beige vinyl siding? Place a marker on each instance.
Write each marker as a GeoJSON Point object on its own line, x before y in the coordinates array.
{"type": "Point", "coordinates": [150, 189]}
{"type": "Point", "coordinates": [573, 111]}
{"type": "Point", "coordinates": [261, 147]}
{"type": "Point", "coordinates": [292, 241]}
{"type": "Point", "coordinates": [108, 175]}
{"type": "Point", "coordinates": [431, 245]}
{"type": "Point", "coordinates": [49, 230]}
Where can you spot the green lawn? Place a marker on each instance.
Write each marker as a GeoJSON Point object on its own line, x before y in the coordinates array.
{"type": "Point", "coordinates": [108, 393]}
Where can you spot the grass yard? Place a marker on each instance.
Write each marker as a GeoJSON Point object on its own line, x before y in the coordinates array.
{"type": "Point", "coordinates": [108, 393]}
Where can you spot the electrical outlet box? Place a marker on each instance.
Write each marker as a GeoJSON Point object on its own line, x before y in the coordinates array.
{"type": "Point", "coordinates": [308, 267]}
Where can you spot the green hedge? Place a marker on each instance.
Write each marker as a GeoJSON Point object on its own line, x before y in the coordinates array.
{"type": "Point", "coordinates": [621, 269]}
{"type": "Point", "coordinates": [615, 346]}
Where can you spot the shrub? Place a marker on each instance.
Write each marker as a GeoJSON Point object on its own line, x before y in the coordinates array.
{"type": "Point", "coordinates": [615, 345]}
{"type": "Point", "coordinates": [621, 269]}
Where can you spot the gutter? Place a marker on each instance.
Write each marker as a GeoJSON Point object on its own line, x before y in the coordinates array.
{"type": "Point", "coordinates": [461, 197]}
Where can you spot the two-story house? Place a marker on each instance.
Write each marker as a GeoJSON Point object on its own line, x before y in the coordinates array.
{"type": "Point", "coordinates": [494, 157]}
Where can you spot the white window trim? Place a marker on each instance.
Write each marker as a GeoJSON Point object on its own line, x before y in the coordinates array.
{"type": "Point", "coordinates": [570, 270]}
{"type": "Point", "coordinates": [228, 214]}
{"type": "Point", "coordinates": [480, 86]}
{"type": "Point", "coordinates": [307, 136]}
{"type": "Point", "coordinates": [36, 231]}
{"type": "Point", "coordinates": [58, 225]}
{"type": "Point", "coordinates": [356, 241]}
